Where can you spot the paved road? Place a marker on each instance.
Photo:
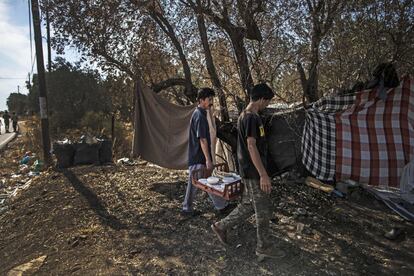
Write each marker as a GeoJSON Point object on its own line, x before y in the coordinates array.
{"type": "Point", "coordinates": [4, 136]}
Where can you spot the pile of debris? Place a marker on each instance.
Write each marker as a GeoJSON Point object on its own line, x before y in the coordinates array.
{"type": "Point", "coordinates": [29, 168]}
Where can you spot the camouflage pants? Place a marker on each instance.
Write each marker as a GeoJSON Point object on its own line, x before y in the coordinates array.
{"type": "Point", "coordinates": [254, 201]}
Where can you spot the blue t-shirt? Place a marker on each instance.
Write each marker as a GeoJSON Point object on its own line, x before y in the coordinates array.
{"type": "Point", "coordinates": [198, 129]}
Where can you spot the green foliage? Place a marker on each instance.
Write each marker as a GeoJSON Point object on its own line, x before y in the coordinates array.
{"type": "Point", "coordinates": [17, 102]}
{"type": "Point", "coordinates": [72, 93]}
{"type": "Point", "coordinates": [340, 42]}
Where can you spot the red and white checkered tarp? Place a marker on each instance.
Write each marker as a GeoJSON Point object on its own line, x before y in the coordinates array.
{"type": "Point", "coordinates": [375, 138]}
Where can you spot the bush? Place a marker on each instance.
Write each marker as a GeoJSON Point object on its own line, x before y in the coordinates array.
{"type": "Point", "coordinates": [97, 124]}
{"type": "Point", "coordinates": [33, 135]}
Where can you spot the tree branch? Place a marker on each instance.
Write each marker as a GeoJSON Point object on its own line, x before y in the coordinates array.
{"type": "Point", "coordinates": [169, 83]}
{"type": "Point", "coordinates": [115, 62]}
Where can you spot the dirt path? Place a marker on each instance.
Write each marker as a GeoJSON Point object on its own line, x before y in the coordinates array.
{"type": "Point", "coordinates": [116, 220]}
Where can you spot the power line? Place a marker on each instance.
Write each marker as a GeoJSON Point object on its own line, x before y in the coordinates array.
{"type": "Point", "coordinates": [11, 78]}
{"type": "Point", "coordinates": [33, 62]}
{"type": "Point", "coordinates": [32, 57]}
{"type": "Point", "coordinates": [30, 31]}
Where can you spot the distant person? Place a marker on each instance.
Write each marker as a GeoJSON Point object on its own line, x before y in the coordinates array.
{"type": "Point", "coordinates": [15, 120]}
{"type": "Point", "coordinates": [6, 118]}
{"type": "Point", "coordinates": [1, 123]}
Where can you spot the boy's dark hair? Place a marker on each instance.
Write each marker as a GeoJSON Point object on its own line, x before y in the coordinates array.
{"type": "Point", "coordinates": [205, 93]}
{"type": "Point", "coordinates": [261, 91]}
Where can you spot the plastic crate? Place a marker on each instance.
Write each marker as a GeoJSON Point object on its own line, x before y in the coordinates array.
{"type": "Point", "coordinates": [231, 190]}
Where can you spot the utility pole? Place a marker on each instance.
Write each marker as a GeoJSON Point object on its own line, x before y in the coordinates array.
{"type": "Point", "coordinates": [49, 49]}
{"type": "Point", "coordinates": [42, 82]}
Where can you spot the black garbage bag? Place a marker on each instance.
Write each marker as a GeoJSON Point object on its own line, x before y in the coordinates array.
{"type": "Point", "coordinates": [64, 153]}
{"type": "Point", "coordinates": [105, 151]}
{"type": "Point", "coordinates": [86, 153]}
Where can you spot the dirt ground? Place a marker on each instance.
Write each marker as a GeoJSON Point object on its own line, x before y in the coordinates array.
{"type": "Point", "coordinates": [125, 220]}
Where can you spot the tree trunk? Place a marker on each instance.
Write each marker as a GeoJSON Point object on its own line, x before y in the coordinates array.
{"type": "Point", "coordinates": [137, 90]}
{"type": "Point", "coordinates": [236, 36]}
{"type": "Point", "coordinates": [169, 31]}
{"type": "Point", "coordinates": [312, 86]}
{"type": "Point", "coordinates": [212, 69]}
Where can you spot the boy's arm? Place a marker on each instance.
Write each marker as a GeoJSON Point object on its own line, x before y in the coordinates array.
{"type": "Point", "coordinates": [265, 184]}
{"type": "Point", "coordinates": [204, 147]}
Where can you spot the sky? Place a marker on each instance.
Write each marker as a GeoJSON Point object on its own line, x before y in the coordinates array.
{"type": "Point", "coordinates": [15, 56]}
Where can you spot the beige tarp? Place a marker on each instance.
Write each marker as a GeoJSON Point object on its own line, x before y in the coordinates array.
{"type": "Point", "coordinates": [162, 136]}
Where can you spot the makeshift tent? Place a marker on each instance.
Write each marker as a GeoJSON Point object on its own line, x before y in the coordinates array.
{"type": "Point", "coordinates": [163, 129]}
{"type": "Point", "coordinates": [367, 137]}
{"type": "Point", "coordinates": [361, 137]}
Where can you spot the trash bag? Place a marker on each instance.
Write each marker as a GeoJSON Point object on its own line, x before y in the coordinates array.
{"type": "Point", "coordinates": [64, 153]}
{"type": "Point", "coordinates": [105, 151]}
{"type": "Point", "coordinates": [25, 160]}
{"type": "Point", "coordinates": [86, 153]}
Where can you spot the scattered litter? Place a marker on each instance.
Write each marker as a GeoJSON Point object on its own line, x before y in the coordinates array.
{"type": "Point", "coordinates": [142, 162]}
{"type": "Point", "coordinates": [25, 160]}
{"type": "Point", "coordinates": [64, 141]}
{"type": "Point", "coordinates": [407, 183]}
{"type": "Point", "coordinates": [23, 169]}
{"type": "Point", "coordinates": [14, 193]}
{"type": "Point", "coordinates": [394, 233]}
{"type": "Point", "coordinates": [3, 209]}
{"type": "Point", "coordinates": [153, 166]}
{"type": "Point", "coordinates": [393, 199]}
{"type": "Point", "coordinates": [284, 220]}
{"type": "Point", "coordinates": [37, 166]}
{"type": "Point", "coordinates": [300, 227]}
{"type": "Point", "coordinates": [346, 187]}
{"type": "Point", "coordinates": [28, 268]}
{"type": "Point", "coordinates": [301, 212]}
{"type": "Point", "coordinates": [336, 193]}
{"type": "Point", "coordinates": [315, 183]}
{"type": "Point", "coordinates": [126, 161]}
{"type": "Point", "coordinates": [33, 173]}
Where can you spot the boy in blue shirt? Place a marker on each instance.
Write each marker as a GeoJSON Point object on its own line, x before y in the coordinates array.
{"type": "Point", "coordinates": [199, 151]}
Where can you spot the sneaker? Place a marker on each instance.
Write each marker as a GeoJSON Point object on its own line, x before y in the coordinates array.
{"type": "Point", "coordinates": [270, 252]}
{"type": "Point", "coordinates": [221, 234]}
{"type": "Point", "coordinates": [192, 213]}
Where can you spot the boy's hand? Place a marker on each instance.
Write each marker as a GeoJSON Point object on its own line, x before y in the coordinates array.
{"type": "Point", "coordinates": [209, 165]}
{"type": "Point", "coordinates": [265, 184]}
